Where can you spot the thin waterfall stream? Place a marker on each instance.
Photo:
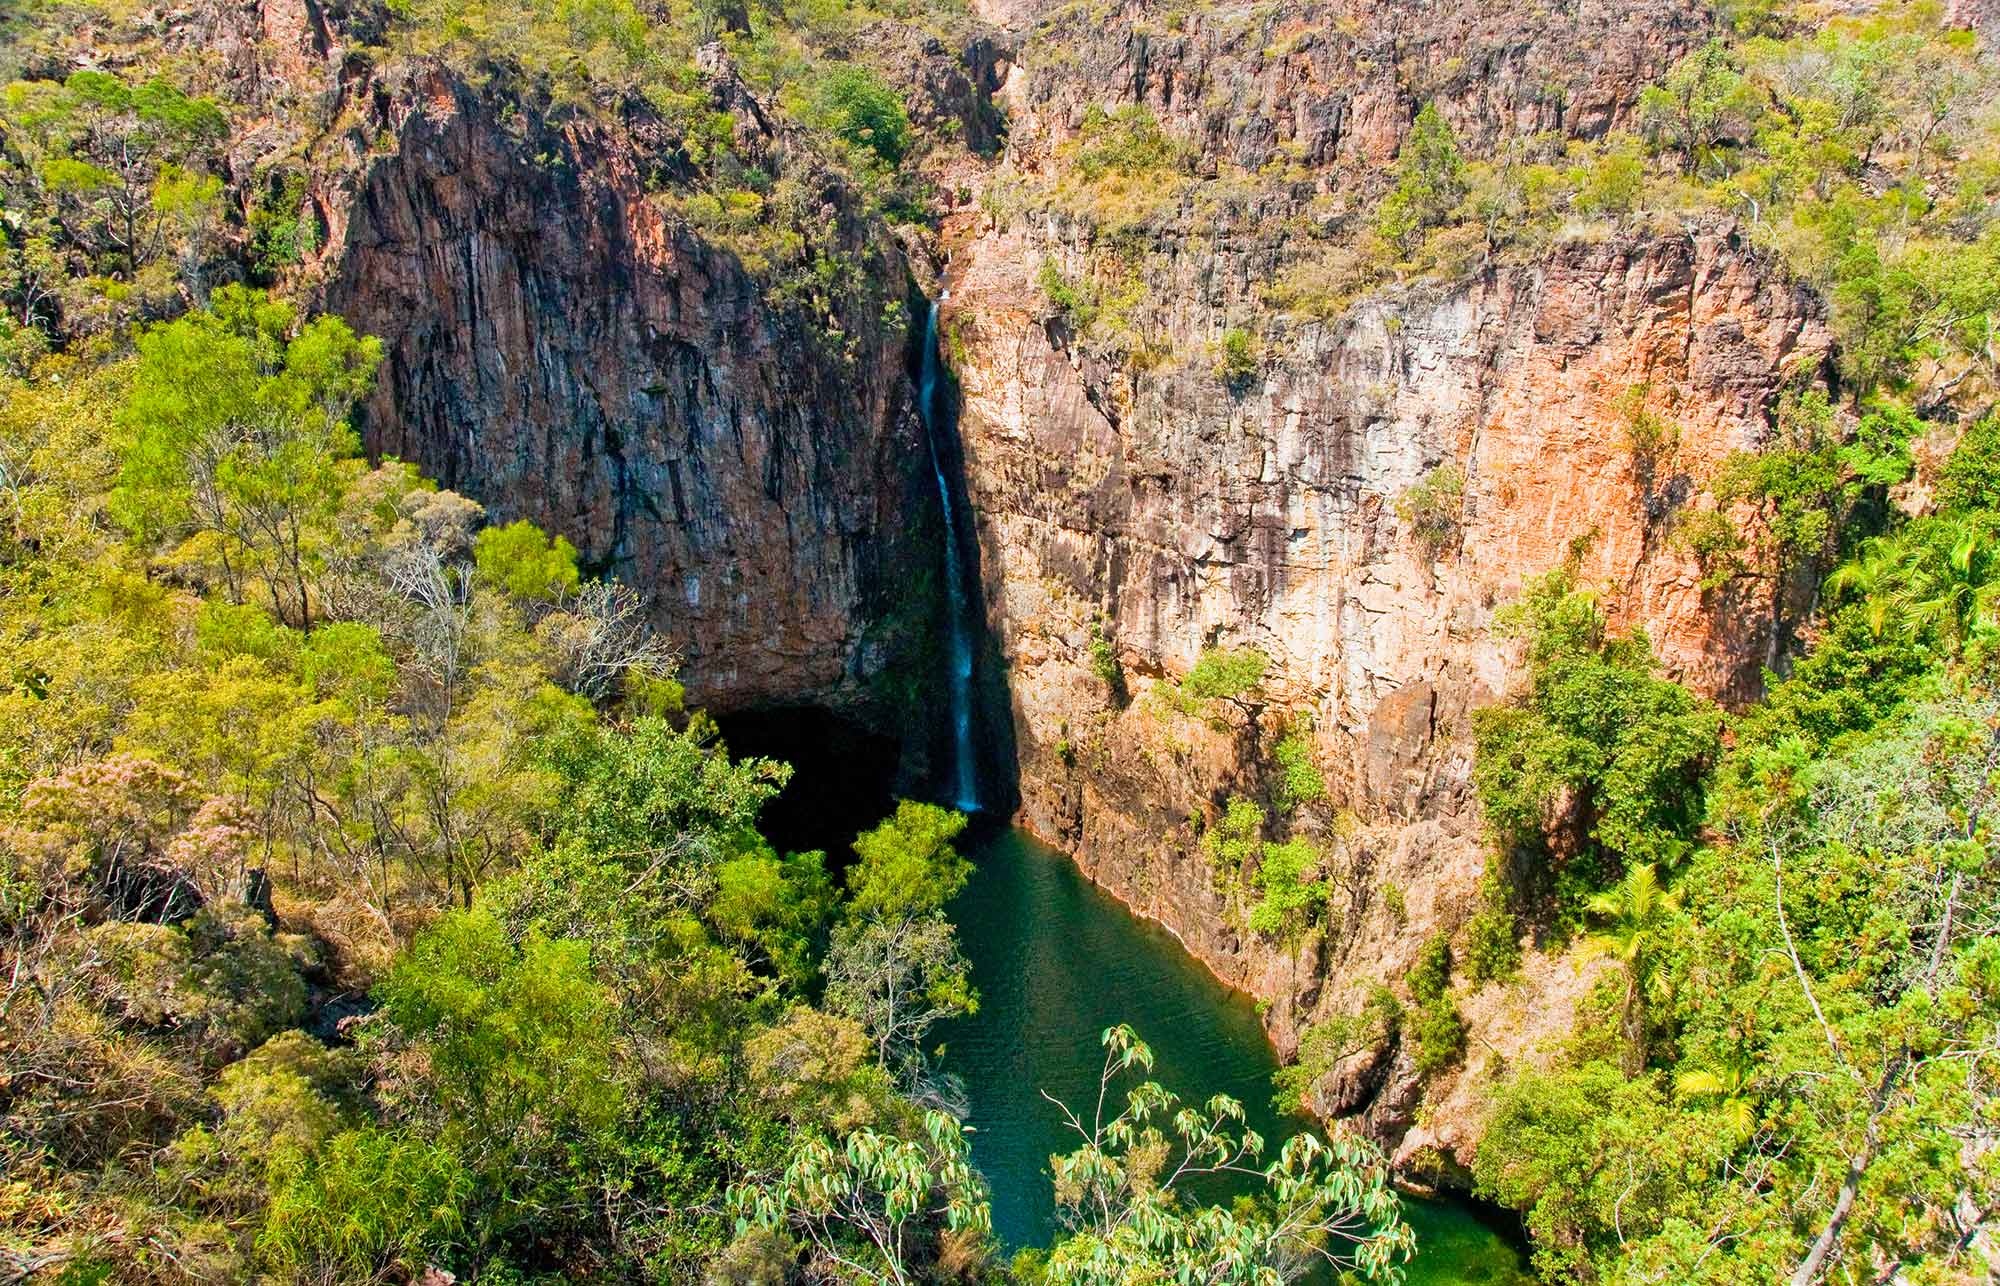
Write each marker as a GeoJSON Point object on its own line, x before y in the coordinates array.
{"type": "Point", "coordinates": [965, 766]}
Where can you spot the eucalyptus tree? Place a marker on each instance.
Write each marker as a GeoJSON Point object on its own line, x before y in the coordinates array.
{"type": "Point", "coordinates": [1125, 1195]}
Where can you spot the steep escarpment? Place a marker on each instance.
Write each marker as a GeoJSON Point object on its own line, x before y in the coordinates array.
{"type": "Point", "coordinates": [1210, 472]}
{"type": "Point", "coordinates": [563, 348]}
{"type": "Point", "coordinates": [1194, 517]}
{"type": "Point", "coordinates": [625, 293]}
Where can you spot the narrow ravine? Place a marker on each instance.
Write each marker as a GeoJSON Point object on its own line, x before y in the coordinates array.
{"type": "Point", "coordinates": [1057, 960]}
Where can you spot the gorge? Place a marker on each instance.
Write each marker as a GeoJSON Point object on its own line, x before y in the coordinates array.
{"type": "Point", "coordinates": [1448, 553]}
{"type": "Point", "coordinates": [778, 498]}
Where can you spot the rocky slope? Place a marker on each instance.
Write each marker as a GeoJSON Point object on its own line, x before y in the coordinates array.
{"type": "Point", "coordinates": [730, 430]}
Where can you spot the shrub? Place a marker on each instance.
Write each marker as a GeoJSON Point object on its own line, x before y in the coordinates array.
{"type": "Point", "coordinates": [1323, 285]}
{"type": "Point", "coordinates": [1492, 943]}
{"type": "Point", "coordinates": [1711, 539]}
{"type": "Point", "coordinates": [1651, 437]}
{"type": "Point", "coordinates": [1323, 1045]}
{"type": "Point", "coordinates": [282, 230]}
{"type": "Point", "coordinates": [366, 1203]}
{"type": "Point", "coordinates": [1127, 141]}
{"type": "Point", "coordinates": [1075, 302]}
{"type": "Point", "coordinates": [525, 563]}
{"type": "Point", "coordinates": [1220, 674]}
{"type": "Point", "coordinates": [1104, 660]}
{"type": "Point", "coordinates": [1430, 976]}
{"type": "Point", "coordinates": [1238, 357]}
{"type": "Point", "coordinates": [1436, 1028]}
{"type": "Point", "coordinates": [1299, 781]}
{"type": "Point", "coordinates": [1234, 838]}
{"type": "Point", "coordinates": [1438, 1031]}
{"type": "Point", "coordinates": [1970, 479]}
{"type": "Point", "coordinates": [1614, 181]}
{"type": "Point", "coordinates": [1432, 509]}
{"type": "Point", "coordinates": [1293, 899]}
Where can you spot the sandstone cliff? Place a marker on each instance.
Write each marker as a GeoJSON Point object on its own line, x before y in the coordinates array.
{"type": "Point", "coordinates": [1164, 509]}
{"type": "Point", "coordinates": [564, 350]}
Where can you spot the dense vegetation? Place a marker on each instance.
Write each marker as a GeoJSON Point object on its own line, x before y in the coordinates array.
{"type": "Point", "coordinates": [1787, 1069]}
{"type": "Point", "coordinates": [371, 904]}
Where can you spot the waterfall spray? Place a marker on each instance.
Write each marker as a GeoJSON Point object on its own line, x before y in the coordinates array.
{"type": "Point", "coordinates": [965, 764]}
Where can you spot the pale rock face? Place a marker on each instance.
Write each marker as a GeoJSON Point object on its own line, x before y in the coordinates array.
{"type": "Point", "coordinates": [1173, 515]}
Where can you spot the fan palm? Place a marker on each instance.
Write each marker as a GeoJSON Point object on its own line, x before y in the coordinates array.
{"type": "Point", "coordinates": [1727, 1087]}
{"type": "Point", "coordinates": [1942, 575]}
{"type": "Point", "coordinates": [1636, 912]}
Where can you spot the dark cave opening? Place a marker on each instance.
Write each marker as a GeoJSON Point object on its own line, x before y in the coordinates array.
{"type": "Point", "coordinates": [843, 776]}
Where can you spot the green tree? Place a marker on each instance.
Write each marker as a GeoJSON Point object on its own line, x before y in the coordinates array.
{"type": "Point", "coordinates": [908, 866]}
{"type": "Point", "coordinates": [629, 793]}
{"type": "Point", "coordinates": [526, 564]}
{"type": "Point", "coordinates": [1225, 675]}
{"type": "Point", "coordinates": [876, 1203]}
{"type": "Point", "coordinates": [864, 111]}
{"type": "Point", "coordinates": [1299, 780]}
{"type": "Point", "coordinates": [1697, 103]}
{"type": "Point", "coordinates": [1236, 837]}
{"type": "Point", "coordinates": [899, 978]}
{"type": "Point", "coordinates": [1125, 1193]}
{"type": "Point", "coordinates": [1637, 915]}
{"type": "Point", "coordinates": [1291, 897]}
{"type": "Point", "coordinates": [238, 434]}
{"type": "Point", "coordinates": [1597, 746]}
{"type": "Point", "coordinates": [506, 1052]}
{"type": "Point", "coordinates": [1935, 578]}
{"type": "Point", "coordinates": [100, 146]}
{"type": "Point", "coordinates": [1593, 1160]}
{"type": "Point", "coordinates": [778, 907]}
{"type": "Point", "coordinates": [1430, 183]}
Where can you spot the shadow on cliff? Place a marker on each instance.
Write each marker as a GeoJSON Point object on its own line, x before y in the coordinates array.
{"type": "Point", "coordinates": [996, 767]}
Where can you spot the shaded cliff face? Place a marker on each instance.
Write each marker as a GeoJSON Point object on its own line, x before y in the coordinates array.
{"type": "Point", "coordinates": [1166, 509]}
{"type": "Point", "coordinates": [564, 349]}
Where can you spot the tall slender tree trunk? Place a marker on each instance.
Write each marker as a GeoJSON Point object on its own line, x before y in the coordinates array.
{"type": "Point", "coordinates": [1633, 1025]}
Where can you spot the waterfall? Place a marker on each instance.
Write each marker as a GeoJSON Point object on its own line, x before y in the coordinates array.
{"type": "Point", "coordinates": [965, 765]}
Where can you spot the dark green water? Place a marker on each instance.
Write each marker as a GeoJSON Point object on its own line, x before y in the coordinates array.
{"type": "Point", "coordinates": [1057, 961]}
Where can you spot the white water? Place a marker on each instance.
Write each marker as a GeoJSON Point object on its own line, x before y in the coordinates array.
{"type": "Point", "coordinates": [965, 765]}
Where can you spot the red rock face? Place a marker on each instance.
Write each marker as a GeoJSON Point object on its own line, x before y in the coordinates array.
{"type": "Point", "coordinates": [1185, 517]}
{"type": "Point", "coordinates": [1337, 84]}
{"type": "Point", "coordinates": [1157, 507]}
{"type": "Point", "coordinates": [563, 349]}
